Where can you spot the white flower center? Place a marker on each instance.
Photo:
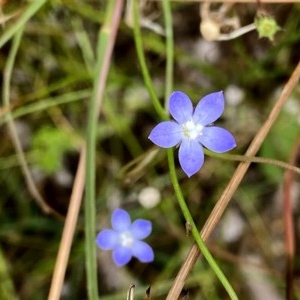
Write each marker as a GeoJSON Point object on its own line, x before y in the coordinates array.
{"type": "Point", "coordinates": [191, 130]}
{"type": "Point", "coordinates": [126, 239]}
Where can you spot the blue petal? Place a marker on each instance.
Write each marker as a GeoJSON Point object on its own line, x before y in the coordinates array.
{"type": "Point", "coordinates": [122, 255]}
{"type": "Point", "coordinates": [142, 251]}
{"type": "Point", "coordinates": [180, 107]}
{"type": "Point", "coordinates": [166, 134]}
{"type": "Point", "coordinates": [107, 239]}
{"type": "Point", "coordinates": [209, 109]}
{"type": "Point", "coordinates": [140, 229]}
{"type": "Point", "coordinates": [191, 156]}
{"type": "Point", "coordinates": [120, 220]}
{"type": "Point", "coordinates": [217, 139]}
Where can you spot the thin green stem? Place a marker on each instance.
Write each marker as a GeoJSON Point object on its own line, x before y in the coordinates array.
{"type": "Point", "coordinates": [106, 40]}
{"type": "Point", "coordinates": [89, 207]}
{"type": "Point", "coordinates": [11, 127]}
{"type": "Point", "coordinates": [9, 69]}
{"type": "Point", "coordinates": [44, 104]}
{"type": "Point", "coordinates": [142, 60]}
{"type": "Point", "coordinates": [20, 23]}
{"type": "Point", "coordinates": [194, 230]}
{"type": "Point", "coordinates": [254, 159]}
{"type": "Point", "coordinates": [169, 49]}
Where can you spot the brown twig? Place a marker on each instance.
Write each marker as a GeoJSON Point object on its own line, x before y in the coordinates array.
{"type": "Point", "coordinates": [233, 184]}
{"type": "Point", "coordinates": [69, 229]}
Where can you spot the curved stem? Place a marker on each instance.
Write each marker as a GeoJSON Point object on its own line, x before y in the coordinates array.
{"type": "Point", "coordinates": [33, 190]}
{"type": "Point", "coordinates": [142, 60]}
{"type": "Point", "coordinates": [194, 230]}
{"type": "Point", "coordinates": [20, 23]}
{"type": "Point", "coordinates": [254, 159]}
{"type": "Point", "coordinates": [169, 49]}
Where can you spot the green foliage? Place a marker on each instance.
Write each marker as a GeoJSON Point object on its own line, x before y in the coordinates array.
{"type": "Point", "coordinates": [49, 145]}
{"type": "Point", "coordinates": [279, 144]}
{"type": "Point", "coordinates": [7, 291]}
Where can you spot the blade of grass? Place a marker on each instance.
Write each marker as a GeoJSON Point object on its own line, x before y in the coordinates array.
{"type": "Point", "coordinates": [106, 41]}
{"type": "Point", "coordinates": [19, 24]}
{"type": "Point", "coordinates": [85, 45]}
{"type": "Point", "coordinates": [169, 49]}
{"type": "Point", "coordinates": [142, 60]}
{"type": "Point", "coordinates": [12, 129]}
{"type": "Point", "coordinates": [45, 103]}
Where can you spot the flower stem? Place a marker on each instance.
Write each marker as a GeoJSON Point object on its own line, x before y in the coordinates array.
{"type": "Point", "coordinates": [141, 57]}
{"type": "Point", "coordinates": [169, 49]}
{"type": "Point", "coordinates": [187, 215]}
{"type": "Point", "coordinates": [254, 159]}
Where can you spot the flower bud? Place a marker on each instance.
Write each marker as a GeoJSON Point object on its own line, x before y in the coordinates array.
{"type": "Point", "coordinates": [266, 26]}
{"type": "Point", "coordinates": [210, 29]}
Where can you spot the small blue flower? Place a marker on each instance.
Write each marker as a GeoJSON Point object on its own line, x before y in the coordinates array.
{"type": "Point", "coordinates": [193, 129]}
{"type": "Point", "coordinates": [125, 238]}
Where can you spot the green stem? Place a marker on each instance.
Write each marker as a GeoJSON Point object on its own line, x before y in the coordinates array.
{"type": "Point", "coordinates": [104, 50]}
{"type": "Point", "coordinates": [9, 69]}
{"type": "Point", "coordinates": [21, 21]}
{"type": "Point", "coordinates": [162, 114]}
{"type": "Point", "coordinates": [44, 104]}
{"type": "Point", "coordinates": [194, 230]}
{"type": "Point", "coordinates": [169, 49]}
{"type": "Point", "coordinates": [89, 203]}
{"type": "Point", "coordinates": [142, 60]}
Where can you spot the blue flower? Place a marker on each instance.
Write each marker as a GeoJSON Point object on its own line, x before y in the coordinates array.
{"type": "Point", "coordinates": [193, 129]}
{"type": "Point", "coordinates": [125, 238]}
